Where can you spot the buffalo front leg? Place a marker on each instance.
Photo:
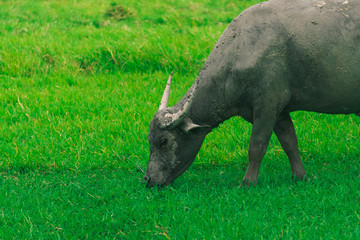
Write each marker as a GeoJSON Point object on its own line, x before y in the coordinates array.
{"type": "Point", "coordinates": [285, 132]}
{"type": "Point", "coordinates": [259, 141]}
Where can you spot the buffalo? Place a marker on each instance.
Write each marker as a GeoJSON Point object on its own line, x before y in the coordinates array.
{"type": "Point", "coordinates": [276, 57]}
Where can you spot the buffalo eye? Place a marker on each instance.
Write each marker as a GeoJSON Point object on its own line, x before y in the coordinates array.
{"type": "Point", "coordinates": [163, 141]}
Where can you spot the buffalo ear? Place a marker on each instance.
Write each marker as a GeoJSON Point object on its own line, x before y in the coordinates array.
{"type": "Point", "coordinates": [188, 126]}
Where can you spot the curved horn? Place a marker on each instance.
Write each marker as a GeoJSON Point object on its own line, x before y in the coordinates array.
{"type": "Point", "coordinates": [173, 116]}
{"type": "Point", "coordinates": [165, 98]}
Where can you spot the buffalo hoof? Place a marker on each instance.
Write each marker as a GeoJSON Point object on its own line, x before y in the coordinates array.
{"type": "Point", "coordinates": [299, 178]}
{"type": "Point", "coordinates": [246, 183]}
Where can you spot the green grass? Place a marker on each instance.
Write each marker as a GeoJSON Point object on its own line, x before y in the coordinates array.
{"type": "Point", "coordinates": [78, 90]}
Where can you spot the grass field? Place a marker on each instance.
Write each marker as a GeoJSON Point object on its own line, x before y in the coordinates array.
{"type": "Point", "coordinates": [80, 81]}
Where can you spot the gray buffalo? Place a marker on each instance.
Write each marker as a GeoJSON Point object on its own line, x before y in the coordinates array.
{"type": "Point", "coordinates": [276, 57]}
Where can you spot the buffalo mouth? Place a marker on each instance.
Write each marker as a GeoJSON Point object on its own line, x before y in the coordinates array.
{"type": "Point", "coordinates": [150, 182]}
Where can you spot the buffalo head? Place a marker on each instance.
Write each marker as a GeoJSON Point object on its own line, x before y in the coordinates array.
{"type": "Point", "coordinates": [174, 140]}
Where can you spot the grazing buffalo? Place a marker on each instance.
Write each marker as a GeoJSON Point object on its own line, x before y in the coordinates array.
{"type": "Point", "coordinates": [276, 57]}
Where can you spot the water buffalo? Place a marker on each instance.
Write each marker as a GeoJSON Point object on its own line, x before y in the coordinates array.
{"type": "Point", "coordinates": [276, 57]}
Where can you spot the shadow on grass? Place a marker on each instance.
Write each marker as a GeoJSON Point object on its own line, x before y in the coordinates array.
{"type": "Point", "coordinates": [229, 176]}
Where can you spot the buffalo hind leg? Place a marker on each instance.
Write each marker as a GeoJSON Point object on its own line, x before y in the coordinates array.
{"type": "Point", "coordinates": [261, 132]}
{"type": "Point", "coordinates": [358, 114]}
{"type": "Point", "coordinates": [285, 132]}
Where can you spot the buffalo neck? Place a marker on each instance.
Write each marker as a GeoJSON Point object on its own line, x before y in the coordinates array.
{"type": "Point", "coordinates": [211, 105]}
